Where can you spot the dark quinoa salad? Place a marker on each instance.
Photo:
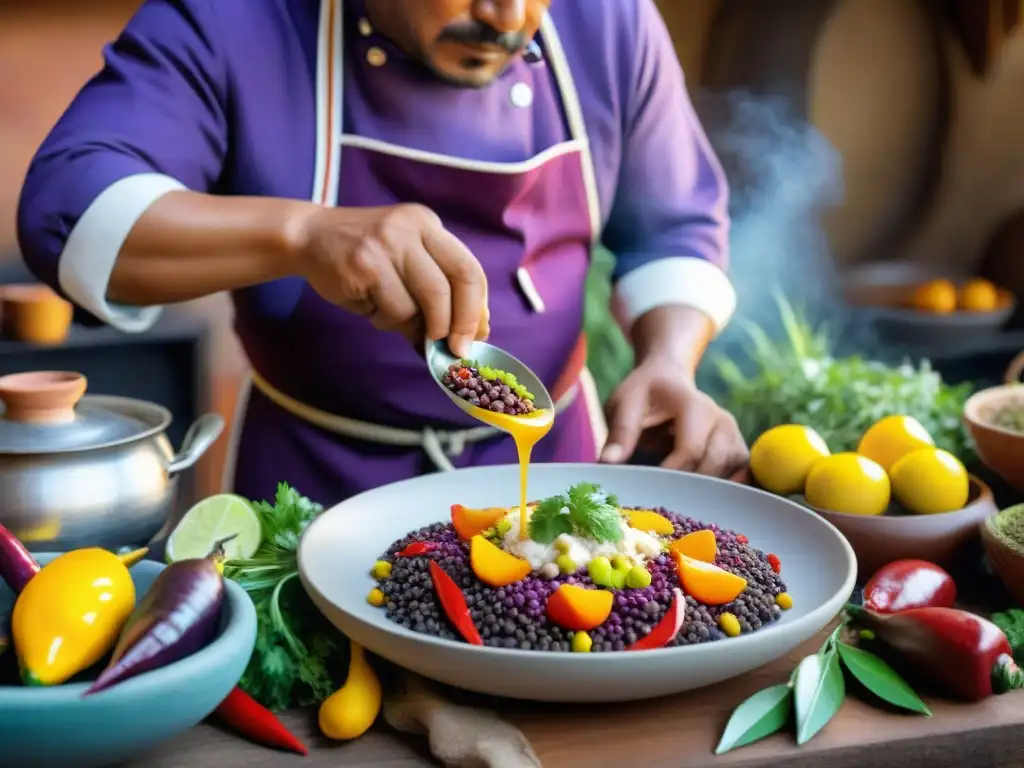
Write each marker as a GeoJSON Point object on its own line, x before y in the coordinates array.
{"type": "Point", "coordinates": [488, 388]}
{"type": "Point", "coordinates": [454, 581]}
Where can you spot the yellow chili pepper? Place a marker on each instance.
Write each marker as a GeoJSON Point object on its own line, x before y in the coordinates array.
{"type": "Point", "coordinates": [70, 614]}
{"type": "Point", "coordinates": [349, 712]}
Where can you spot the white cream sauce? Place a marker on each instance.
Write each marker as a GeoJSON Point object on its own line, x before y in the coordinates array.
{"type": "Point", "coordinates": [638, 545]}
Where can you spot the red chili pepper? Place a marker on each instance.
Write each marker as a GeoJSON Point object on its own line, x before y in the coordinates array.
{"type": "Point", "coordinates": [666, 629]}
{"type": "Point", "coordinates": [775, 563]}
{"type": "Point", "coordinates": [969, 655]}
{"type": "Point", "coordinates": [464, 373]}
{"type": "Point", "coordinates": [17, 565]}
{"type": "Point", "coordinates": [741, 539]}
{"type": "Point", "coordinates": [416, 548]}
{"type": "Point", "coordinates": [454, 604]}
{"type": "Point", "coordinates": [906, 584]}
{"type": "Point", "coordinates": [246, 717]}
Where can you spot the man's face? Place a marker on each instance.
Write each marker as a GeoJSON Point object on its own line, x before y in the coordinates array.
{"type": "Point", "coordinates": [466, 42]}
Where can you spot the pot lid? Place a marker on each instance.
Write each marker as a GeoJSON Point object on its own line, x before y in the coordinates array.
{"type": "Point", "coordinates": [44, 412]}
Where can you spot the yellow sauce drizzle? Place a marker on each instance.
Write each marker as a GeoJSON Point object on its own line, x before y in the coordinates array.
{"type": "Point", "coordinates": [526, 430]}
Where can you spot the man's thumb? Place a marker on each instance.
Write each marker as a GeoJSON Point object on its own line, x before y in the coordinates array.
{"type": "Point", "coordinates": [625, 421]}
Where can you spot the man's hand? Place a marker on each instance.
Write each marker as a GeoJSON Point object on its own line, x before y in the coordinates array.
{"type": "Point", "coordinates": [399, 267]}
{"type": "Point", "coordinates": [660, 392]}
{"type": "Point", "coordinates": [706, 438]}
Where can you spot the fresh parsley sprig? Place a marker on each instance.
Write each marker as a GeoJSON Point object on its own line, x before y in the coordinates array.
{"type": "Point", "coordinates": [584, 510]}
{"type": "Point", "coordinates": [296, 648]}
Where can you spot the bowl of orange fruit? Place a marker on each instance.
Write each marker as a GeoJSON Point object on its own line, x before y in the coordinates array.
{"type": "Point", "coordinates": [917, 304]}
{"type": "Point", "coordinates": [897, 496]}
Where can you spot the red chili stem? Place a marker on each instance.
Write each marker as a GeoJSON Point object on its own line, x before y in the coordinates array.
{"type": "Point", "coordinates": [245, 716]}
{"type": "Point", "coordinates": [17, 565]}
{"type": "Point", "coordinates": [416, 548]}
{"type": "Point", "coordinates": [454, 604]}
{"type": "Point", "coordinates": [1006, 675]}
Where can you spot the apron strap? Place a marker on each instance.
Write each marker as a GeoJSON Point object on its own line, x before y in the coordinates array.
{"type": "Point", "coordinates": [438, 444]}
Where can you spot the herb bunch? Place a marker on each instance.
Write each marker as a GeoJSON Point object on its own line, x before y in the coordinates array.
{"type": "Point", "coordinates": [797, 381]}
{"type": "Point", "coordinates": [584, 510]}
{"type": "Point", "coordinates": [298, 652]}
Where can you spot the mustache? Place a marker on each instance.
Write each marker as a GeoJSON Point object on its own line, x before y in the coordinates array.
{"type": "Point", "coordinates": [478, 33]}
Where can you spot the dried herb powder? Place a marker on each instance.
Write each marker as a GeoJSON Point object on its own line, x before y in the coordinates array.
{"type": "Point", "coordinates": [1008, 526]}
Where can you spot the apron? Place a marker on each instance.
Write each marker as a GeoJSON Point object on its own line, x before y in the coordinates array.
{"type": "Point", "coordinates": [360, 410]}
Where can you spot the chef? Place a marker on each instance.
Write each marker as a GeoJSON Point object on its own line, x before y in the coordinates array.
{"type": "Point", "coordinates": [362, 174]}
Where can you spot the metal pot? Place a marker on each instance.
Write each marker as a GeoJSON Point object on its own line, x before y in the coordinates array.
{"type": "Point", "coordinates": [88, 471]}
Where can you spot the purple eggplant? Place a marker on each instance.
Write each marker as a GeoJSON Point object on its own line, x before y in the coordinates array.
{"type": "Point", "coordinates": [177, 617]}
{"type": "Point", "coordinates": [17, 565]}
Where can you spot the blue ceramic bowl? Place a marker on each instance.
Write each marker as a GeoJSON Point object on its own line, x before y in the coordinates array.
{"type": "Point", "coordinates": [50, 727]}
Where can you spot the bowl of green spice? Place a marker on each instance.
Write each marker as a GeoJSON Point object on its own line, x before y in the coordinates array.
{"type": "Point", "coordinates": [995, 419]}
{"type": "Point", "coordinates": [1003, 538]}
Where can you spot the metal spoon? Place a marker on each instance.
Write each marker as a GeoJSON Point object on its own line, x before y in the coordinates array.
{"type": "Point", "coordinates": [439, 358]}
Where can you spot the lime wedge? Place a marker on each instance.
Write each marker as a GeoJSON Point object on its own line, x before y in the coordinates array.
{"type": "Point", "coordinates": [212, 520]}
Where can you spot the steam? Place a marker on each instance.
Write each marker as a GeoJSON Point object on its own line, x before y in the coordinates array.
{"type": "Point", "coordinates": [783, 175]}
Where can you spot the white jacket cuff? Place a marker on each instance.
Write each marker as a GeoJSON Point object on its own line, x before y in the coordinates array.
{"type": "Point", "coordinates": [95, 241]}
{"type": "Point", "coordinates": [680, 280]}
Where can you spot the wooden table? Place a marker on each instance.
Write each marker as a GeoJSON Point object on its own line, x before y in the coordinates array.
{"type": "Point", "coordinates": [666, 733]}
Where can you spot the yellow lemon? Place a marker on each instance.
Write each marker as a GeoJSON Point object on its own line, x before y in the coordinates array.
{"type": "Point", "coordinates": [782, 457]}
{"type": "Point", "coordinates": [848, 482]}
{"type": "Point", "coordinates": [930, 481]}
{"type": "Point", "coordinates": [890, 439]}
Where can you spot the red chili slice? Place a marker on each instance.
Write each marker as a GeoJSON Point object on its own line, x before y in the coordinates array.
{"type": "Point", "coordinates": [454, 604]}
{"type": "Point", "coordinates": [666, 629]}
{"type": "Point", "coordinates": [775, 563]}
{"type": "Point", "coordinates": [416, 548]}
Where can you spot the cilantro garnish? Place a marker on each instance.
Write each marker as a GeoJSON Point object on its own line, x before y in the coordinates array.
{"type": "Point", "coordinates": [297, 651]}
{"type": "Point", "coordinates": [550, 520]}
{"type": "Point", "coordinates": [584, 510]}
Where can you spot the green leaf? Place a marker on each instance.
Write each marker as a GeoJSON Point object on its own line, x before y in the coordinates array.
{"type": "Point", "coordinates": [818, 691]}
{"type": "Point", "coordinates": [881, 679]}
{"type": "Point", "coordinates": [1012, 624]}
{"type": "Point", "coordinates": [550, 520]}
{"type": "Point", "coordinates": [764, 713]}
{"type": "Point", "coordinates": [594, 513]}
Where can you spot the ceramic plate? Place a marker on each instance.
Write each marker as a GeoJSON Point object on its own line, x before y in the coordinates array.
{"type": "Point", "coordinates": [338, 550]}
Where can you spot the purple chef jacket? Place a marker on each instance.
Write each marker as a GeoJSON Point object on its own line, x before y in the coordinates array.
{"type": "Point", "coordinates": [232, 97]}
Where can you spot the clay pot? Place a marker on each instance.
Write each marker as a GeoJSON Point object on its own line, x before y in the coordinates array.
{"type": "Point", "coordinates": [879, 540]}
{"type": "Point", "coordinates": [1005, 561]}
{"type": "Point", "coordinates": [34, 313]}
{"type": "Point", "coordinates": [999, 449]}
